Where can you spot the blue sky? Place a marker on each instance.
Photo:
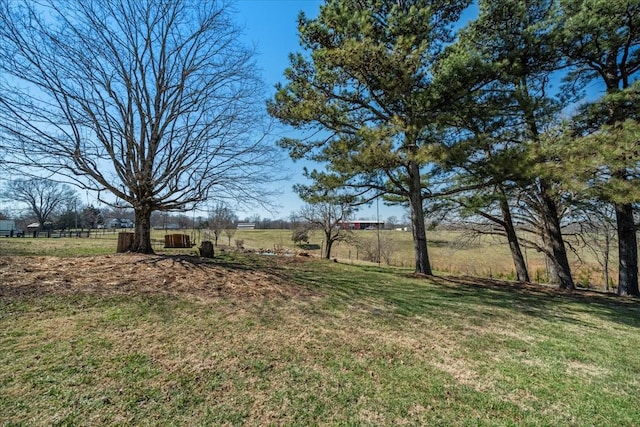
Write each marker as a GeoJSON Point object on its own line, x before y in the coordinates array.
{"type": "Point", "coordinates": [271, 25]}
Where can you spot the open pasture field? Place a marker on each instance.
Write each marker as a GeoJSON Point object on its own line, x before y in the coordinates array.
{"type": "Point", "coordinates": [454, 252]}
{"type": "Point", "coordinates": [263, 340]}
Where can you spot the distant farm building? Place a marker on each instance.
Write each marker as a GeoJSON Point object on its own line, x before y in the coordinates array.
{"type": "Point", "coordinates": [362, 224]}
{"type": "Point", "coordinates": [246, 226]}
{"type": "Point", "coordinates": [172, 226]}
{"type": "Point", "coordinates": [119, 223]}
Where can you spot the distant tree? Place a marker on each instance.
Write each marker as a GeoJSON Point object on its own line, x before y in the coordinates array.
{"type": "Point", "coordinates": [272, 224]}
{"type": "Point", "coordinates": [90, 216]}
{"type": "Point", "coordinates": [43, 196]}
{"type": "Point", "coordinates": [327, 215]}
{"type": "Point", "coordinates": [392, 222]}
{"type": "Point", "coordinates": [158, 219]}
{"type": "Point", "coordinates": [230, 231]}
{"type": "Point", "coordinates": [221, 218]}
{"type": "Point", "coordinates": [155, 102]}
{"type": "Point", "coordinates": [597, 233]}
{"type": "Point", "coordinates": [300, 235]}
{"type": "Point", "coordinates": [295, 222]}
{"type": "Point", "coordinates": [254, 219]}
{"type": "Point", "coordinates": [378, 248]}
{"type": "Point", "coordinates": [66, 219]}
{"type": "Point", "coordinates": [183, 221]}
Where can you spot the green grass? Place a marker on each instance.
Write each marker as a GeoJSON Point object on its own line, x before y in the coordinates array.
{"type": "Point", "coordinates": [100, 243]}
{"type": "Point", "coordinates": [65, 246]}
{"type": "Point", "coordinates": [360, 346]}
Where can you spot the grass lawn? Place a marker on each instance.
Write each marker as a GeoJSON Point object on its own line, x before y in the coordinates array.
{"type": "Point", "coordinates": [257, 340]}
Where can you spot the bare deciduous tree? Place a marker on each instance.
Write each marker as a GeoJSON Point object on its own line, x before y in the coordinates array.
{"type": "Point", "coordinates": [153, 101]}
{"type": "Point", "coordinates": [328, 217]}
{"type": "Point", "coordinates": [597, 234]}
{"type": "Point", "coordinates": [44, 197]}
{"type": "Point", "coordinates": [221, 218]}
{"type": "Point", "coordinates": [230, 231]}
{"type": "Point", "coordinates": [377, 249]}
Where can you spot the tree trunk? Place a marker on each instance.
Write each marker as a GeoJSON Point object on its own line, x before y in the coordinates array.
{"type": "Point", "coordinates": [605, 274]}
{"type": "Point", "coordinates": [560, 267]}
{"type": "Point", "coordinates": [142, 239]}
{"type": "Point", "coordinates": [417, 221]}
{"type": "Point", "coordinates": [627, 251]}
{"type": "Point", "coordinates": [605, 259]}
{"type": "Point", "coordinates": [327, 248]}
{"type": "Point", "coordinates": [551, 226]}
{"type": "Point", "coordinates": [514, 245]}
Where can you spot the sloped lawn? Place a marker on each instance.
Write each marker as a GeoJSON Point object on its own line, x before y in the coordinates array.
{"type": "Point", "coordinates": [176, 340]}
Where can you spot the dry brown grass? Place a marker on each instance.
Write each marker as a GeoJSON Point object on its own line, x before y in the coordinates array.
{"type": "Point", "coordinates": [450, 251]}
{"type": "Point", "coordinates": [122, 274]}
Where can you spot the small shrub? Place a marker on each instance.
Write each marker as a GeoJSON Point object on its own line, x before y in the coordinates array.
{"type": "Point", "coordinates": [370, 251]}
{"type": "Point", "coordinates": [540, 276]}
{"type": "Point", "coordinates": [299, 236]}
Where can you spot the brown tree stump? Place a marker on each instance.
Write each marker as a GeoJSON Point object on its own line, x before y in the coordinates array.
{"type": "Point", "coordinates": [125, 242]}
{"type": "Point", "coordinates": [206, 249]}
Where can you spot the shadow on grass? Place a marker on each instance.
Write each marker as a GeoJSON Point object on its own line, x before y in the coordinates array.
{"type": "Point", "coordinates": [228, 276]}
{"type": "Point", "coordinates": [231, 261]}
{"type": "Point", "coordinates": [310, 247]}
{"type": "Point", "coordinates": [223, 259]}
{"type": "Point", "coordinates": [406, 294]}
{"type": "Point", "coordinates": [195, 261]}
{"type": "Point", "coordinates": [542, 300]}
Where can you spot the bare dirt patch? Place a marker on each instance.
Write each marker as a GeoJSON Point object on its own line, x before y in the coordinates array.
{"type": "Point", "coordinates": [130, 274]}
